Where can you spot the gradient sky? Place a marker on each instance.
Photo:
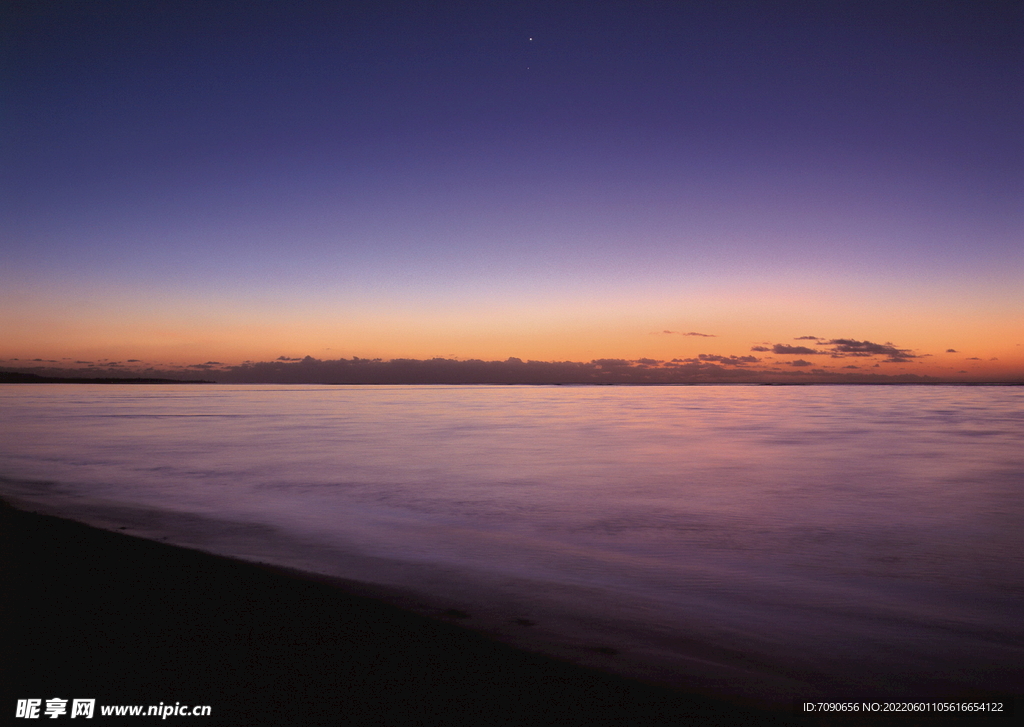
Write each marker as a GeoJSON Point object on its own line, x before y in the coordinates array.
{"type": "Point", "coordinates": [185, 182]}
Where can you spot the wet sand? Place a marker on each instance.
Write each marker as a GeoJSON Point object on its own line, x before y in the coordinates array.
{"type": "Point", "coordinates": [95, 614]}
{"type": "Point", "coordinates": [100, 615]}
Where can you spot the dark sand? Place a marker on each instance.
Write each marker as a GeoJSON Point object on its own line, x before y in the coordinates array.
{"type": "Point", "coordinates": [88, 613]}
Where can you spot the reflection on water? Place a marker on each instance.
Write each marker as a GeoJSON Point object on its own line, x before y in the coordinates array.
{"type": "Point", "coordinates": [807, 531]}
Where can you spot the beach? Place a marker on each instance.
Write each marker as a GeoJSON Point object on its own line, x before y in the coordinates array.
{"type": "Point", "coordinates": [92, 614]}
{"type": "Point", "coordinates": [100, 615]}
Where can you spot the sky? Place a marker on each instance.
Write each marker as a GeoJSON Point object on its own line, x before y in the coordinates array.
{"type": "Point", "coordinates": [212, 186]}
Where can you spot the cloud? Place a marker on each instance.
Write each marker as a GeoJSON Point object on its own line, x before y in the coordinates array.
{"type": "Point", "coordinates": [285, 358]}
{"type": "Point", "coordinates": [841, 348]}
{"type": "Point", "coordinates": [951, 350]}
{"type": "Point", "coordinates": [707, 369]}
{"type": "Point", "coordinates": [732, 360]}
{"type": "Point", "coordinates": [973, 358]}
{"type": "Point", "coordinates": [799, 362]}
{"type": "Point", "coordinates": [794, 350]}
{"type": "Point", "coordinates": [602, 363]}
{"type": "Point", "coordinates": [679, 333]}
{"type": "Point", "coordinates": [850, 347]}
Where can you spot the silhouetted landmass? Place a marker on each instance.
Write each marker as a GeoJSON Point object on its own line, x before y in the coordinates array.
{"type": "Point", "coordinates": [440, 371]}
{"type": "Point", "coordinates": [702, 369]}
{"type": "Point", "coordinates": [13, 377]}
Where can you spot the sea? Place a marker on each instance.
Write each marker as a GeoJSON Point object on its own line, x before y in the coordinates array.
{"type": "Point", "coordinates": [770, 542]}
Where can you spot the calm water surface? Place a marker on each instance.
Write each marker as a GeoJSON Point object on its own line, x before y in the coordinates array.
{"type": "Point", "coordinates": [777, 541]}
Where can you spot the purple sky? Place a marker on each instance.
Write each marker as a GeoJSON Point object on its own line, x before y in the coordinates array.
{"type": "Point", "coordinates": [230, 181]}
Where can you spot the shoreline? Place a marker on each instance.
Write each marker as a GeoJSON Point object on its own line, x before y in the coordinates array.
{"type": "Point", "coordinates": [96, 614]}
{"type": "Point", "coordinates": [91, 613]}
